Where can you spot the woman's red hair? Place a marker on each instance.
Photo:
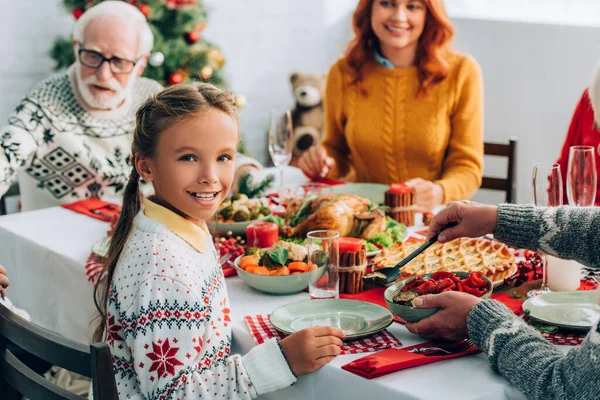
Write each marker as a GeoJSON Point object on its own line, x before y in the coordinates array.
{"type": "Point", "coordinates": [432, 52]}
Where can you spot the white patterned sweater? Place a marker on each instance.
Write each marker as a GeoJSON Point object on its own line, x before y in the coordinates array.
{"type": "Point", "coordinates": [61, 152]}
{"type": "Point", "coordinates": [536, 367]}
{"type": "Point", "coordinates": [169, 327]}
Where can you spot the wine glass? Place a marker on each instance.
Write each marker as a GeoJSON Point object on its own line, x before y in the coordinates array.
{"type": "Point", "coordinates": [581, 176]}
{"type": "Point", "coordinates": [546, 191]}
{"type": "Point", "coordinates": [281, 139]}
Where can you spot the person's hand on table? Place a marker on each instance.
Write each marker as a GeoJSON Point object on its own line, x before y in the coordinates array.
{"type": "Point", "coordinates": [316, 163]}
{"type": "Point", "coordinates": [306, 351]}
{"type": "Point", "coordinates": [3, 278]}
{"type": "Point", "coordinates": [239, 172]}
{"type": "Point", "coordinates": [450, 322]}
{"type": "Point", "coordinates": [472, 220]}
{"type": "Point", "coordinates": [428, 195]}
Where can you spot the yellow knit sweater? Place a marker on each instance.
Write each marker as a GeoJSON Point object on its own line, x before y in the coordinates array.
{"type": "Point", "coordinates": [392, 135]}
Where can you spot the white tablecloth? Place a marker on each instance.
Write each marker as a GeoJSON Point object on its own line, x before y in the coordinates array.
{"type": "Point", "coordinates": [44, 252]}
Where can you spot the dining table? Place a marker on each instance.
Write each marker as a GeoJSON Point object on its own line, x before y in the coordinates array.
{"type": "Point", "coordinates": [44, 252]}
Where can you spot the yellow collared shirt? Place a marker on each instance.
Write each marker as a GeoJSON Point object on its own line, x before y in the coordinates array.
{"type": "Point", "coordinates": [198, 237]}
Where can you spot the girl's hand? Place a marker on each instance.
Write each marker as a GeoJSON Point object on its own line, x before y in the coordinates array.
{"type": "Point", "coordinates": [428, 195]}
{"type": "Point", "coordinates": [473, 220]}
{"type": "Point", "coordinates": [316, 163]}
{"type": "Point", "coordinates": [309, 349]}
{"type": "Point", "coordinates": [3, 278]}
{"type": "Point", "coordinates": [448, 323]}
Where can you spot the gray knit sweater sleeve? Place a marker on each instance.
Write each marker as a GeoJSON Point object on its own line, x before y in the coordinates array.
{"type": "Point", "coordinates": [517, 351]}
{"type": "Point", "coordinates": [565, 232]}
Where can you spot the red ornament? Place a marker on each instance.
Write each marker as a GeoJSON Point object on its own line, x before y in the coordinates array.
{"type": "Point", "coordinates": [193, 36]}
{"type": "Point", "coordinates": [77, 13]}
{"type": "Point", "coordinates": [145, 9]}
{"type": "Point", "coordinates": [175, 78]}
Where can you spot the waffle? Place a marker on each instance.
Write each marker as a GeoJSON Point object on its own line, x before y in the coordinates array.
{"type": "Point", "coordinates": [492, 258]}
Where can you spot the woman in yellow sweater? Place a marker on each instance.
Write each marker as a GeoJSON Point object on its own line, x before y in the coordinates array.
{"type": "Point", "coordinates": [401, 106]}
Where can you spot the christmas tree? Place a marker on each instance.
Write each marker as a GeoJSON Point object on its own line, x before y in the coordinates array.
{"type": "Point", "coordinates": [180, 52]}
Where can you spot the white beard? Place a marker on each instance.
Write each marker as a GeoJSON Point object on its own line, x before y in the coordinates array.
{"type": "Point", "coordinates": [105, 101]}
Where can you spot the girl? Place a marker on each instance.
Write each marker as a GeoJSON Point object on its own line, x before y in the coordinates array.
{"type": "Point", "coordinates": [401, 106]}
{"type": "Point", "coordinates": [165, 311]}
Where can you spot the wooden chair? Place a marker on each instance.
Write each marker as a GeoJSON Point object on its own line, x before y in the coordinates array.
{"type": "Point", "coordinates": [12, 191]}
{"type": "Point", "coordinates": [507, 184]}
{"type": "Point", "coordinates": [17, 379]}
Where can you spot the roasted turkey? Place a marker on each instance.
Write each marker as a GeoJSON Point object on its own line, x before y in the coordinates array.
{"type": "Point", "coordinates": [346, 213]}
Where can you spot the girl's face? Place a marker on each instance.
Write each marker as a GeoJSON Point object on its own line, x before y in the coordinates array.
{"type": "Point", "coordinates": [398, 24]}
{"type": "Point", "coordinates": [192, 170]}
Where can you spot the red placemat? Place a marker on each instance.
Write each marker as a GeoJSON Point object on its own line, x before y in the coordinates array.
{"type": "Point", "coordinates": [261, 329]}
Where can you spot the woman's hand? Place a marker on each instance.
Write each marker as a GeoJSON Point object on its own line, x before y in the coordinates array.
{"type": "Point", "coordinates": [3, 278]}
{"type": "Point", "coordinates": [448, 323]}
{"type": "Point", "coordinates": [309, 349]}
{"type": "Point", "coordinates": [316, 163]}
{"type": "Point", "coordinates": [428, 195]}
{"type": "Point", "coordinates": [473, 220]}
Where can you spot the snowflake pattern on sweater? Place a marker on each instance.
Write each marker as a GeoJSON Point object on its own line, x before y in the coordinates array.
{"type": "Point", "coordinates": [169, 324]}
{"type": "Point", "coordinates": [66, 153]}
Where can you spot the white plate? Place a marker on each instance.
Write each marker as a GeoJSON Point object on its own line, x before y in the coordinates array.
{"type": "Point", "coordinates": [575, 310]}
{"type": "Point", "coordinates": [356, 318]}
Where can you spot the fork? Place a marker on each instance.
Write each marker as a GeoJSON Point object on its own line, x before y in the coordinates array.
{"type": "Point", "coordinates": [454, 349]}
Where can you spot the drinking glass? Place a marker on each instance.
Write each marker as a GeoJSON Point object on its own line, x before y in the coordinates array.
{"type": "Point", "coordinates": [281, 139]}
{"type": "Point", "coordinates": [323, 252]}
{"type": "Point", "coordinates": [546, 191]}
{"type": "Point", "coordinates": [581, 176]}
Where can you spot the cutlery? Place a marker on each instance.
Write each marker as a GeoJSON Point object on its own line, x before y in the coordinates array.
{"type": "Point", "coordinates": [103, 215]}
{"type": "Point", "coordinates": [435, 350]}
{"type": "Point", "coordinates": [224, 259]}
{"type": "Point", "coordinates": [384, 276]}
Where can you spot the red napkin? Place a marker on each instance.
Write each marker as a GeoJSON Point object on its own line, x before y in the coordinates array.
{"type": "Point", "coordinates": [228, 270]}
{"type": "Point", "coordinates": [328, 181]}
{"type": "Point", "coordinates": [392, 360]}
{"type": "Point", "coordinates": [95, 208]}
{"type": "Point", "coordinates": [374, 296]}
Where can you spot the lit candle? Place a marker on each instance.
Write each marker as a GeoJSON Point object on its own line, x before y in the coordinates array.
{"type": "Point", "coordinates": [563, 274]}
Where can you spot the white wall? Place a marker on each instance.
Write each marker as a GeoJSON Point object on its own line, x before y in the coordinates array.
{"type": "Point", "coordinates": [264, 41]}
{"type": "Point", "coordinates": [27, 29]}
{"type": "Point", "coordinates": [533, 76]}
{"type": "Point", "coordinates": [533, 73]}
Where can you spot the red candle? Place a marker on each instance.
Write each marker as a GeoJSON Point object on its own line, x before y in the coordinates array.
{"type": "Point", "coordinates": [262, 234]}
{"type": "Point", "coordinates": [400, 188]}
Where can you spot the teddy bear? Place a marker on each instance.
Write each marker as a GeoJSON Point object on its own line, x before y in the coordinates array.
{"type": "Point", "coordinates": [307, 114]}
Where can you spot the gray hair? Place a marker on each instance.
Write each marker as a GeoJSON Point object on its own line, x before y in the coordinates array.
{"type": "Point", "coordinates": [125, 13]}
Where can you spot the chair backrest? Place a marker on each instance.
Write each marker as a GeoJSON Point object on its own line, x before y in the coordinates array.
{"type": "Point", "coordinates": [507, 184]}
{"type": "Point", "coordinates": [12, 191]}
{"type": "Point", "coordinates": [93, 361]}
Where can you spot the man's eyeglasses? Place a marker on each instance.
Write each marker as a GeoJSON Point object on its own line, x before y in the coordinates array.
{"type": "Point", "coordinates": [93, 59]}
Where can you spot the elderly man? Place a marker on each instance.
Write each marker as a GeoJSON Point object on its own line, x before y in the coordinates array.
{"type": "Point", "coordinates": [70, 138]}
